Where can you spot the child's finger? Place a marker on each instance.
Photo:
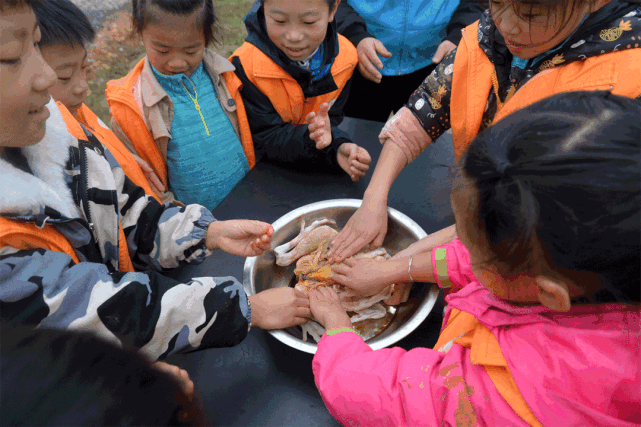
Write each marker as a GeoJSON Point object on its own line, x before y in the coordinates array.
{"type": "Point", "coordinates": [324, 109]}
{"type": "Point", "coordinates": [303, 312]}
{"type": "Point", "coordinates": [310, 117]}
{"type": "Point", "coordinates": [360, 167]}
{"type": "Point", "coordinates": [300, 294]}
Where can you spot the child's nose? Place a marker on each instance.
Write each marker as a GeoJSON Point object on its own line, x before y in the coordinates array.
{"type": "Point", "coordinates": [46, 78]}
{"type": "Point", "coordinates": [294, 36]}
{"type": "Point", "coordinates": [81, 87]}
{"type": "Point", "coordinates": [177, 64]}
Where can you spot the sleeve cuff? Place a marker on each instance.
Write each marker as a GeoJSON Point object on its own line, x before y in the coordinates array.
{"type": "Point", "coordinates": [439, 261]}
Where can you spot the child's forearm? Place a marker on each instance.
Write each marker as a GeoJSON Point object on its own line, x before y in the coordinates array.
{"type": "Point", "coordinates": [421, 269]}
{"type": "Point", "coordinates": [432, 241]}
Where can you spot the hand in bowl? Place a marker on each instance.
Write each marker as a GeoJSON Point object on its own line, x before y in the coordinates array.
{"type": "Point", "coordinates": [279, 308]}
{"type": "Point", "coordinates": [326, 308]}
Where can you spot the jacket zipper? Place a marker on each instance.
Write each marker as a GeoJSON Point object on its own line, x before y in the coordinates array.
{"type": "Point", "coordinates": [85, 188]}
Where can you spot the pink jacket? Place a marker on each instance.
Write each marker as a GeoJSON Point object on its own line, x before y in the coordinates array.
{"type": "Point", "coordinates": [579, 368]}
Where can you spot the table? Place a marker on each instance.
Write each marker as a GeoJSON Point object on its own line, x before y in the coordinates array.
{"type": "Point", "coordinates": [263, 382]}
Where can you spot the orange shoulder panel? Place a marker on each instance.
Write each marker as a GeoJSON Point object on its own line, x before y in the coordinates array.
{"type": "Point", "coordinates": [233, 86]}
{"type": "Point", "coordinates": [123, 109]}
{"type": "Point", "coordinates": [284, 92]}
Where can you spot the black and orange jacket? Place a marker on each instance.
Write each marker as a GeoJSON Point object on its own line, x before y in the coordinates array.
{"type": "Point", "coordinates": [278, 94]}
{"type": "Point", "coordinates": [603, 54]}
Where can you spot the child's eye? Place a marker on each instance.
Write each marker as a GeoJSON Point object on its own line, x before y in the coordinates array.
{"type": "Point", "coordinates": [64, 80]}
{"type": "Point", "coordinates": [10, 61]}
{"type": "Point", "coordinates": [310, 23]}
{"type": "Point", "coordinates": [162, 52]}
{"type": "Point", "coordinates": [279, 22]}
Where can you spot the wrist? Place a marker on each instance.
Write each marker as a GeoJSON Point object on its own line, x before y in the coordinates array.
{"type": "Point", "coordinates": [338, 320]}
{"type": "Point", "coordinates": [211, 241]}
{"type": "Point", "coordinates": [255, 311]}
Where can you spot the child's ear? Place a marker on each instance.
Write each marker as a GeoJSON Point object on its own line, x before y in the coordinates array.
{"type": "Point", "coordinates": [553, 294]}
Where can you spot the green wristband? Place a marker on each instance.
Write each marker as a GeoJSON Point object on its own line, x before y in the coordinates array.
{"type": "Point", "coordinates": [339, 330]}
{"type": "Point", "coordinates": [441, 267]}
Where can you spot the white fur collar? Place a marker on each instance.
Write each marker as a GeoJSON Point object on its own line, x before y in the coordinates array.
{"type": "Point", "coordinates": [25, 194]}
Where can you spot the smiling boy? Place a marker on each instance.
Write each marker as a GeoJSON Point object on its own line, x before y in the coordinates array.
{"type": "Point", "coordinates": [295, 71]}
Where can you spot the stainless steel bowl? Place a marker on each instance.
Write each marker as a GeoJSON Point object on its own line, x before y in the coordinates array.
{"type": "Point", "coordinates": [262, 273]}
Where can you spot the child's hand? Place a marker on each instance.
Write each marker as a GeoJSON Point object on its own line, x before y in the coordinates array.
{"type": "Point", "coordinates": [320, 128]}
{"type": "Point", "coordinates": [152, 178]}
{"type": "Point", "coordinates": [365, 276]}
{"type": "Point", "coordinates": [279, 308]}
{"type": "Point", "coordinates": [327, 309]}
{"type": "Point", "coordinates": [240, 237]}
{"type": "Point", "coordinates": [179, 374]}
{"type": "Point", "coordinates": [354, 160]}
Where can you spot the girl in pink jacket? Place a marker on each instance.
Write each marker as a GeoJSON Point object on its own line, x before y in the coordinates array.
{"type": "Point", "coordinates": [542, 326]}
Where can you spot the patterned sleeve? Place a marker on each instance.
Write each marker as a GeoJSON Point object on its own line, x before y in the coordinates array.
{"type": "Point", "coordinates": [430, 103]}
{"type": "Point", "coordinates": [143, 311]}
{"type": "Point", "coordinates": [159, 237]}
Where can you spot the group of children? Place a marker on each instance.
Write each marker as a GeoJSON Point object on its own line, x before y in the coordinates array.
{"type": "Point", "coordinates": [547, 200]}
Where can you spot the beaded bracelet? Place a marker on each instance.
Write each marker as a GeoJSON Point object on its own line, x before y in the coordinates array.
{"type": "Point", "coordinates": [249, 305]}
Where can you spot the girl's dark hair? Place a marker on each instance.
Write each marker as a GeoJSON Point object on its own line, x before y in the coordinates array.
{"type": "Point", "coordinates": [564, 174]}
{"type": "Point", "coordinates": [141, 15]}
{"type": "Point", "coordinates": [74, 379]}
{"type": "Point", "coordinates": [330, 3]}
{"type": "Point", "coordinates": [62, 22]}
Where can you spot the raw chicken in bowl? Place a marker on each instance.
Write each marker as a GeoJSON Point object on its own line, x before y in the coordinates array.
{"type": "Point", "coordinates": [263, 272]}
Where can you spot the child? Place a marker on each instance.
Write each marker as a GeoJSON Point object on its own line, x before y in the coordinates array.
{"type": "Point", "coordinates": [65, 30]}
{"type": "Point", "coordinates": [73, 227]}
{"type": "Point", "coordinates": [548, 206]}
{"type": "Point", "coordinates": [294, 71]}
{"type": "Point", "coordinates": [177, 110]}
{"type": "Point", "coordinates": [519, 52]}
{"type": "Point", "coordinates": [60, 378]}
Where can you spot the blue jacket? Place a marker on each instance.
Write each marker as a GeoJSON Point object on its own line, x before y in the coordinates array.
{"type": "Point", "coordinates": [411, 30]}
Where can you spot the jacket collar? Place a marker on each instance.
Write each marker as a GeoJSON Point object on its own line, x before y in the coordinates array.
{"type": "Point", "coordinates": [25, 194]}
{"type": "Point", "coordinates": [491, 311]}
{"type": "Point", "coordinates": [152, 92]}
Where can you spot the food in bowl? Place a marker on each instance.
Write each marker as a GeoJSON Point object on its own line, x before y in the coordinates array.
{"type": "Point", "coordinates": [369, 314]}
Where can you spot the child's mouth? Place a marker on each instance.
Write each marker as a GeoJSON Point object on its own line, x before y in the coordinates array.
{"type": "Point", "coordinates": [514, 46]}
{"type": "Point", "coordinates": [42, 112]}
{"type": "Point", "coordinates": [294, 51]}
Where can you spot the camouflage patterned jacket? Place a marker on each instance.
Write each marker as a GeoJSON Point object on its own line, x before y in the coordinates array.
{"type": "Point", "coordinates": [76, 188]}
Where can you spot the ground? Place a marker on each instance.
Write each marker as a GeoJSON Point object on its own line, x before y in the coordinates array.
{"type": "Point", "coordinates": [116, 50]}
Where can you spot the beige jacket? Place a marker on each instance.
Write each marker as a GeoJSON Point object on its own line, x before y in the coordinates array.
{"type": "Point", "coordinates": [156, 106]}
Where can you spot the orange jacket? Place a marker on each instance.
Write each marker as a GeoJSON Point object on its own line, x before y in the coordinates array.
{"type": "Point", "coordinates": [129, 165]}
{"type": "Point", "coordinates": [617, 72]}
{"type": "Point", "coordinates": [126, 113]}
{"type": "Point", "coordinates": [25, 236]}
{"type": "Point", "coordinates": [284, 92]}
